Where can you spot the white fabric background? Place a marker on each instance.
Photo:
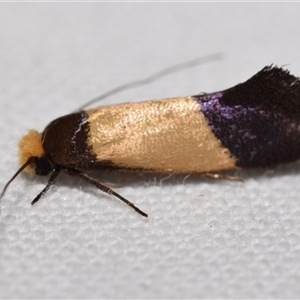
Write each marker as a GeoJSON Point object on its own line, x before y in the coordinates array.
{"type": "Point", "coordinates": [214, 239]}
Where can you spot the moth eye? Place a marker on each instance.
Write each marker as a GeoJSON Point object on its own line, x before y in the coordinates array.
{"type": "Point", "coordinates": [43, 166]}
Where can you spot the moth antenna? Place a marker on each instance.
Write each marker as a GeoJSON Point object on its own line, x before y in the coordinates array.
{"type": "Point", "coordinates": [155, 76]}
{"type": "Point", "coordinates": [26, 164]}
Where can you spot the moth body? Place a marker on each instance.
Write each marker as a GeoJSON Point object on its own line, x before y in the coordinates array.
{"type": "Point", "coordinates": [254, 124]}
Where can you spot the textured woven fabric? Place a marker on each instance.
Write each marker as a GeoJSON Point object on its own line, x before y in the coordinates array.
{"type": "Point", "coordinates": [203, 238]}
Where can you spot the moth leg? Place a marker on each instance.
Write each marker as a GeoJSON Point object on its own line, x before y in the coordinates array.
{"type": "Point", "coordinates": [221, 176]}
{"type": "Point", "coordinates": [108, 190]}
{"type": "Point", "coordinates": [51, 181]}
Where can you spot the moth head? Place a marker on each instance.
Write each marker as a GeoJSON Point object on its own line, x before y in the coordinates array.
{"type": "Point", "coordinates": [31, 156]}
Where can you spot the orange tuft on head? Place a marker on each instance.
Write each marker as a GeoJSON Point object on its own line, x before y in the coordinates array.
{"type": "Point", "coordinates": [30, 145]}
